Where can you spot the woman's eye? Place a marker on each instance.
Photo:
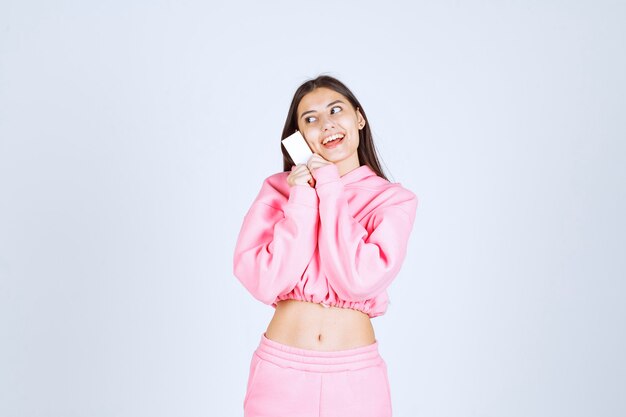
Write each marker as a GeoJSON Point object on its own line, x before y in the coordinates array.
{"type": "Point", "coordinates": [310, 119]}
{"type": "Point", "coordinates": [335, 109]}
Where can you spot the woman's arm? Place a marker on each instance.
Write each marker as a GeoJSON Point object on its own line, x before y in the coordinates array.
{"type": "Point", "coordinates": [360, 265]}
{"type": "Point", "coordinates": [276, 244]}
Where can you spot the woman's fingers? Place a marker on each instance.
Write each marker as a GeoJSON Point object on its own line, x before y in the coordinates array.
{"type": "Point", "coordinates": [300, 175]}
{"type": "Point", "coordinates": [316, 161]}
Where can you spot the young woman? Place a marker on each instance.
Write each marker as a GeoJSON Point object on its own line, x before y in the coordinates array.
{"type": "Point", "coordinates": [321, 243]}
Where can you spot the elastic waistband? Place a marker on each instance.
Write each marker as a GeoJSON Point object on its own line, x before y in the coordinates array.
{"type": "Point", "coordinates": [318, 361]}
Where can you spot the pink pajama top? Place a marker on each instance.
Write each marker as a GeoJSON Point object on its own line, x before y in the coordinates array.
{"type": "Point", "coordinates": [339, 244]}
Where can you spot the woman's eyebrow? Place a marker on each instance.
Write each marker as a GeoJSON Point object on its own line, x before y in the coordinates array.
{"type": "Point", "coordinates": [334, 102]}
{"type": "Point", "coordinates": [307, 112]}
{"type": "Point", "coordinates": [330, 104]}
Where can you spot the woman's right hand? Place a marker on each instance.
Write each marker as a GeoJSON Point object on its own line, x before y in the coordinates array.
{"type": "Point", "coordinates": [300, 175]}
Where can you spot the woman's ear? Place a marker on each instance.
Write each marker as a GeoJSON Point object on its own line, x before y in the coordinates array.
{"type": "Point", "coordinates": [360, 119]}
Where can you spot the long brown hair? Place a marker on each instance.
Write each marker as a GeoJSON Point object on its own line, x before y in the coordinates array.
{"type": "Point", "coordinates": [366, 150]}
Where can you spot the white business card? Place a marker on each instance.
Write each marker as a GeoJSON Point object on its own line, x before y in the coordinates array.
{"type": "Point", "coordinates": [297, 148]}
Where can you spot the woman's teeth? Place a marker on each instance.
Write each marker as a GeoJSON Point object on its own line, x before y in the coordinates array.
{"type": "Point", "coordinates": [332, 138]}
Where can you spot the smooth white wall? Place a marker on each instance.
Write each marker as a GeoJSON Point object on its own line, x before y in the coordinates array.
{"type": "Point", "coordinates": [134, 136]}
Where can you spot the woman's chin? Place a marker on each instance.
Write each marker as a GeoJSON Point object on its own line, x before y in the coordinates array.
{"type": "Point", "coordinates": [333, 157]}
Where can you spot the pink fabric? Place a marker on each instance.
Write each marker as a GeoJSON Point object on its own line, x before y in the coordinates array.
{"type": "Point", "coordinates": [341, 243]}
{"type": "Point", "coordinates": [293, 382]}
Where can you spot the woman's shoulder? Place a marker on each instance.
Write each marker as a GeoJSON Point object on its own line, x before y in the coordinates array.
{"type": "Point", "coordinates": [277, 180]}
{"type": "Point", "coordinates": [378, 193]}
{"type": "Point", "coordinates": [400, 190]}
{"type": "Point", "coordinates": [380, 185]}
{"type": "Point", "coordinates": [276, 185]}
{"type": "Point", "coordinates": [278, 176]}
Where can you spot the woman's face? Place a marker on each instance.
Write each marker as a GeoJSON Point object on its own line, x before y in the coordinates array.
{"type": "Point", "coordinates": [331, 127]}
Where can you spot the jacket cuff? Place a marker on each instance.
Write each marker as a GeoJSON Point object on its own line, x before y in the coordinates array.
{"type": "Point", "coordinates": [303, 194]}
{"type": "Point", "coordinates": [327, 173]}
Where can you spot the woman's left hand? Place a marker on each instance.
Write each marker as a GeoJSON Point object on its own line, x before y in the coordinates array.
{"type": "Point", "coordinates": [316, 161]}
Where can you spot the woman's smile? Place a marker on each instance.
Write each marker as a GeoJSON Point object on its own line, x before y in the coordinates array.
{"type": "Point", "coordinates": [333, 140]}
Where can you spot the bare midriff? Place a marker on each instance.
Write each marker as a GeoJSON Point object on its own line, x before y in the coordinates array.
{"type": "Point", "coordinates": [312, 326]}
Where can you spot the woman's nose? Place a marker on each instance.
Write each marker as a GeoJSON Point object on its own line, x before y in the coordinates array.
{"type": "Point", "coordinates": [327, 123]}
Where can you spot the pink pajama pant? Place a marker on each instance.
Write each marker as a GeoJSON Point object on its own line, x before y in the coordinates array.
{"type": "Point", "coordinates": [286, 381]}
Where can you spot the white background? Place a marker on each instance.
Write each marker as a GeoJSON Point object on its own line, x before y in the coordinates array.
{"type": "Point", "coordinates": [135, 134]}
